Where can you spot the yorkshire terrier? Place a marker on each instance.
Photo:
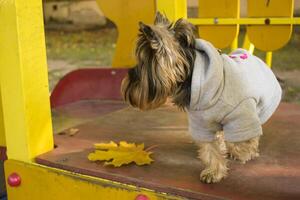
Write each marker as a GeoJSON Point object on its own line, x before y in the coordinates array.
{"type": "Point", "coordinates": [232, 94]}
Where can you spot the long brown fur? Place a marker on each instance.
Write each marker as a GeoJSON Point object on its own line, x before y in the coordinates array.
{"type": "Point", "coordinates": [165, 55]}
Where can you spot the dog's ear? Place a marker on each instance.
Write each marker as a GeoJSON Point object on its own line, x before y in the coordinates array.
{"type": "Point", "coordinates": [151, 36]}
{"type": "Point", "coordinates": [185, 32]}
{"type": "Point", "coordinates": [161, 19]}
{"type": "Point", "coordinates": [147, 31]}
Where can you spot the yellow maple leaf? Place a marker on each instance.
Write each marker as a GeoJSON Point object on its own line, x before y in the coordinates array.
{"type": "Point", "coordinates": [105, 146]}
{"type": "Point", "coordinates": [121, 154]}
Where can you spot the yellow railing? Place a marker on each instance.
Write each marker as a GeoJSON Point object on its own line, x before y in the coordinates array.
{"type": "Point", "coordinates": [215, 16]}
{"type": "Point", "coordinates": [222, 17]}
{"type": "Point", "coordinates": [245, 21]}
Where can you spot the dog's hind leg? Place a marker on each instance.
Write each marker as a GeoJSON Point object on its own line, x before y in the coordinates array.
{"type": "Point", "coordinates": [215, 162]}
{"type": "Point", "coordinates": [243, 151]}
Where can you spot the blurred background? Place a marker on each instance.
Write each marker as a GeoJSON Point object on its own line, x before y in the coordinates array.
{"type": "Point", "coordinates": [78, 35]}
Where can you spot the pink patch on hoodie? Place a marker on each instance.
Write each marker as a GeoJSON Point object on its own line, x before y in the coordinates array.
{"type": "Point", "coordinates": [244, 56]}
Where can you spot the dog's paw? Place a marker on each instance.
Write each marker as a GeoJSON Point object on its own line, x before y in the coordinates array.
{"type": "Point", "coordinates": [243, 151]}
{"type": "Point", "coordinates": [243, 157]}
{"type": "Point", "coordinates": [209, 175]}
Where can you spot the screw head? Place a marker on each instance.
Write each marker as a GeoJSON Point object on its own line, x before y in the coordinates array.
{"type": "Point", "coordinates": [14, 180]}
{"type": "Point", "coordinates": [141, 197]}
{"type": "Point", "coordinates": [267, 21]}
{"type": "Point", "coordinates": [216, 20]}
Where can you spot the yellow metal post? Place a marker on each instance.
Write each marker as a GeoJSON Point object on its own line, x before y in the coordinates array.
{"type": "Point", "coordinates": [24, 81]}
{"type": "Point", "coordinates": [248, 45]}
{"type": "Point", "coordinates": [173, 9]}
{"type": "Point", "coordinates": [235, 43]}
{"type": "Point", "coordinates": [269, 58]}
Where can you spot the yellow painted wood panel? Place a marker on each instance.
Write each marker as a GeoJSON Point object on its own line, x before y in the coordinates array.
{"type": "Point", "coordinates": [44, 183]}
{"type": "Point", "coordinates": [269, 38]}
{"type": "Point", "coordinates": [126, 14]}
{"type": "Point", "coordinates": [24, 81]}
{"type": "Point", "coordinates": [173, 9]}
{"type": "Point", "coordinates": [220, 36]}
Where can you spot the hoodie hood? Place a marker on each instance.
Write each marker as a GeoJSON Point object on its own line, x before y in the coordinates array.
{"type": "Point", "coordinates": [207, 78]}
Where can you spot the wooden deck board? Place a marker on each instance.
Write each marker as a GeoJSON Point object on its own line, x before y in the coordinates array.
{"type": "Point", "coordinates": [274, 175]}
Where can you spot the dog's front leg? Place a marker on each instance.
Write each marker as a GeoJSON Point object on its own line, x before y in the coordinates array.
{"type": "Point", "coordinates": [215, 162]}
{"type": "Point", "coordinates": [243, 151]}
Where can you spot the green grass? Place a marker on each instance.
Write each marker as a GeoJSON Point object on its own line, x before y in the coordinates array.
{"type": "Point", "coordinates": [82, 48]}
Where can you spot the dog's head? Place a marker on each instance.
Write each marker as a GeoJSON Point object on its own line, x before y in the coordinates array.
{"type": "Point", "coordinates": [164, 53]}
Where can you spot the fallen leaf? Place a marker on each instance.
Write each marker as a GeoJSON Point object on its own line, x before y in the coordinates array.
{"type": "Point", "coordinates": [121, 154]}
{"type": "Point", "coordinates": [73, 131]}
{"type": "Point", "coordinates": [70, 132]}
{"type": "Point", "coordinates": [106, 146]}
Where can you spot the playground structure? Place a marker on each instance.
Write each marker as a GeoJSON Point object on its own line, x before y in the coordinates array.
{"type": "Point", "coordinates": [269, 23]}
{"type": "Point", "coordinates": [64, 173]}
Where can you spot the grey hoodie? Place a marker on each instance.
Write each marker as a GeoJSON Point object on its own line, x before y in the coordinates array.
{"type": "Point", "coordinates": [235, 93]}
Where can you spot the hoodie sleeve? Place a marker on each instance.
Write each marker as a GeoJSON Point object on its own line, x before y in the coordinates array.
{"type": "Point", "coordinates": [242, 123]}
{"type": "Point", "coordinates": [202, 129]}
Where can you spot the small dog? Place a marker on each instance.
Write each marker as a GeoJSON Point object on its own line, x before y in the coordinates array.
{"type": "Point", "coordinates": [232, 94]}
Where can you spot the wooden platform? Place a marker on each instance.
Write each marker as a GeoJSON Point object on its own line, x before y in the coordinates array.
{"type": "Point", "coordinates": [274, 175]}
